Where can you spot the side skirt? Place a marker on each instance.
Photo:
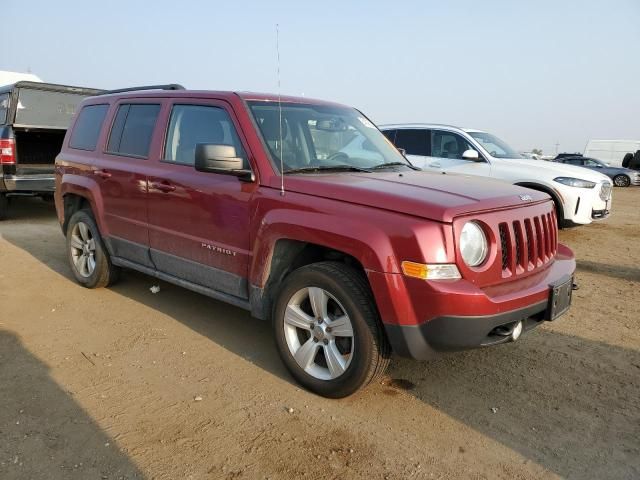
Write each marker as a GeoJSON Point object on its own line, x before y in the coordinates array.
{"type": "Point", "coordinates": [224, 297]}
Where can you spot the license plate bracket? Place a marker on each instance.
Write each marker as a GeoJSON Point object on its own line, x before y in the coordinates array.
{"type": "Point", "coordinates": [560, 296]}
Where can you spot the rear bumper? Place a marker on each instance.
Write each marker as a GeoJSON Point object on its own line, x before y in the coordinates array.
{"type": "Point", "coordinates": [29, 183]}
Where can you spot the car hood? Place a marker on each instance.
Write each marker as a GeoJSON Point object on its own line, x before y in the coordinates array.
{"type": "Point", "coordinates": [549, 170]}
{"type": "Point", "coordinates": [433, 196]}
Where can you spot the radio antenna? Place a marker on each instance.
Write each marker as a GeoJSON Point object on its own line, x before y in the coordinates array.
{"type": "Point", "coordinates": [280, 112]}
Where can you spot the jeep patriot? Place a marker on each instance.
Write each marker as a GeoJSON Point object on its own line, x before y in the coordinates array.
{"type": "Point", "coordinates": [300, 211]}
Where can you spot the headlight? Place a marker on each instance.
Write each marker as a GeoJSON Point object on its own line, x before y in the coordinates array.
{"type": "Point", "coordinates": [473, 244]}
{"type": "Point", "coordinates": [575, 182]}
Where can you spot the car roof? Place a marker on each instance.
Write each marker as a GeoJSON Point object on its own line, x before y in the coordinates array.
{"type": "Point", "coordinates": [218, 94]}
{"type": "Point", "coordinates": [401, 126]}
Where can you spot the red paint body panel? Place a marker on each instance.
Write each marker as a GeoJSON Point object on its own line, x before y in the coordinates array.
{"type": "Point", "coordinates": [380, 219]}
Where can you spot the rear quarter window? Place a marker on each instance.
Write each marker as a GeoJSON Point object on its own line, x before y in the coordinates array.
{"type": "Point", "coordinates": [87, 128]}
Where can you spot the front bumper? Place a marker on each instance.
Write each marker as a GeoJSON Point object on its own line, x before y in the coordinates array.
{"type": "Point", "coordinates": [422, 319]}
{"type": "Point", "coordinates": [451, 333]}
{"type": "Point", "coordinates": [582, 206]}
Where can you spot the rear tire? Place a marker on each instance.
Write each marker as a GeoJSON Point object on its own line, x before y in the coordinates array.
{"type": "Point", "coordinates": [345, 351]}
{"type": "Point", "coordinates": [4, 206]}
{"type": "Point", "coordinates": [88, 257]}
{"type": "Point", "coordinates": [621, 181]}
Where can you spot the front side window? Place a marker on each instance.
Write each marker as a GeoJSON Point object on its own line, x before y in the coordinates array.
{"type": "Point", "coordinates": [309, 136]}
{"type": "Point", "coordinates": [574, 161]}
{"type": "Point", "coordinates": [132, 129]}
{"type": "Point", "coordinates": [413, 141]}
{"type": "Point", "coordinates": [496, 147]}
{"type": "Point", "coordinates": [193, 124]}
{"type": "Point", "coordinates": [448, 145]}
{"type": "Point", "coordinates": [87, 127]}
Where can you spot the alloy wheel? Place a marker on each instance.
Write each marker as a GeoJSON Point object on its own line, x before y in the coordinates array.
{"type": "Point", "coordinates": [319, 333]}
{"type": "Point", "coordinates": [83, 249]}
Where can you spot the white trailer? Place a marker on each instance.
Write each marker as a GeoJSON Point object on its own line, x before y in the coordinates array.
{"type": "Point", "coordinates": [611, 151]}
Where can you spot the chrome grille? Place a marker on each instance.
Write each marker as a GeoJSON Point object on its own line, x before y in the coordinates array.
{"type": "Point", "coordinates": [605, 191]}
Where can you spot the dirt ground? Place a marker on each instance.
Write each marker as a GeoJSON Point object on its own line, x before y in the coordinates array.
{"type": "Point", "coordinates": [122, 383]}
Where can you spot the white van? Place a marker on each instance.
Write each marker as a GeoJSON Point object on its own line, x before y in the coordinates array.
{"type": "Point", "coordinates": [611, 151]}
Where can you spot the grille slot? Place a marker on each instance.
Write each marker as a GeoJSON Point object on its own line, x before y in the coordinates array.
{"type": "Point", "coordinates": [517, 231]}
{"type": "Point", "coordinates": [504, 246]}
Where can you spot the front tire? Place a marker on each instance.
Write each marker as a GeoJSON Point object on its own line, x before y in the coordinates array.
{"type": "Point", "coordinates": [88, 257]}
{"type": "Point", "coordinates": [328, 331]}
{"type": "Point", "coordinates": [621, 181]}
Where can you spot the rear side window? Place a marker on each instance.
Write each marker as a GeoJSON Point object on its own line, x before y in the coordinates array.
{"type": "Point", "coordinates": [413, 141]}
{"type": "Point", "coordinates": [193, 124]}
{"type": "Point", "coordinates": [391, 135]}
{"type": "Point", "coordinates": [132, 129]}
{"type": "Point", "coordinates": [87, 128]}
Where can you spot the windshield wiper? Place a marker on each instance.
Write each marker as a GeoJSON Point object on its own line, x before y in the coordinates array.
{"type": "Point", "coordinates": [394, 164]}
{"type": "Point", "coordinates": [327, 168]}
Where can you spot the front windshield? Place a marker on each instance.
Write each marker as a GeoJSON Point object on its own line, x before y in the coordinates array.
{"type": "Point", "coordinates": [496, 147]}
{"type": "Point", "coordinates": [321, 136]}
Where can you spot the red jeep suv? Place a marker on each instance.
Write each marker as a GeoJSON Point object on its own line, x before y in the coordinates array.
{"type": "Point", "coordinates": [302, 212]}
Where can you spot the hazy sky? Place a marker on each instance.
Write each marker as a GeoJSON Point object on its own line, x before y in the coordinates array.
{"type": "Point", "coordinates": [534, 73]}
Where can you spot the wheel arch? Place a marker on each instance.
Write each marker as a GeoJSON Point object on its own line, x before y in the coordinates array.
{"type": "Point", "coordinates": [286, 256]}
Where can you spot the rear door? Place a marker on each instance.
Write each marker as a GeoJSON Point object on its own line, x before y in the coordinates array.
{"type": "Point", "coordinates": [416, 144]}
{"type": "Point", "coordinates": [199, 221]}
{"type": "Point", "coordinates": [121, 173]}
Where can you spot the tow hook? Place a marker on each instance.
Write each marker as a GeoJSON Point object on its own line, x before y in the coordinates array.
{"type": "Point", "coordinates": [575, 286]}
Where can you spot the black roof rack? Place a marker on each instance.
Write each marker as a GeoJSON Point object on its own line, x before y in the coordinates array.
{"type": "Point", "coordinates": [169, 86]}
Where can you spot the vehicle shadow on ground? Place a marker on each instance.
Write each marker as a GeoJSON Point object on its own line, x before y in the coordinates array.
{"type": "Point", "coordinates": [44, 433]}
{"type": "Point", "coordinates": [567, 403]}
{"type": "Point", "coordinates": [616, 271]}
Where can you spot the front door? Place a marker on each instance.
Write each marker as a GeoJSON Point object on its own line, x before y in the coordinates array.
{"type": "Point", "coordinates": [447, 149]}
{"type": "Point", "coordinates": [199, 221]}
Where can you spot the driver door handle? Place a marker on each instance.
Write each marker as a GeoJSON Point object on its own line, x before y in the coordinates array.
{"type": "Point", "coordinates": [163, 186]}
{"type": "Point", "coordinates": [102, 173]}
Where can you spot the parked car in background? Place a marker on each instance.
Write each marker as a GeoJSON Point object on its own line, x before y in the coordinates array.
{"type": "Point", "coordinates": [622, 177]}
{"type": "Point", "coordinates": [34, 118]}
{"type": "Point", "coordinates": [566, 154]}
{"type": "Point", "coordinates": [611, 151]}
{"type": "Point", "coordinates": [580, 196]}
{"type": "Point", "coordinates": [268, 203]}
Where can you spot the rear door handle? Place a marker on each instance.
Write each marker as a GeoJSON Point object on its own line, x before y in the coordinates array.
{"type": "Point", "coordinates": [102, 173]}
{"type": "Point", "coordinates": [163, 187]}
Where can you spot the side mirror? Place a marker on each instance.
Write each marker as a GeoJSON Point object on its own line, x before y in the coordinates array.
{"type": "Point", "coordinates": [221, 159]}
{"type": "Point", "coordinates": [471, 154]}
